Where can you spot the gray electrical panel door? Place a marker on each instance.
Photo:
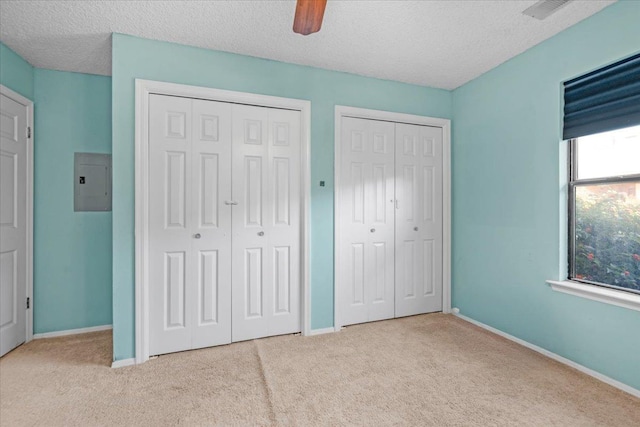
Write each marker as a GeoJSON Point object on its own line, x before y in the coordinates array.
{"type": "Point", "coordinates": [92, 182]}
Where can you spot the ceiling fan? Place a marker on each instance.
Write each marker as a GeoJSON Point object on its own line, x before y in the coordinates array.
{"type": "Point", "coordinates": [309, 14]}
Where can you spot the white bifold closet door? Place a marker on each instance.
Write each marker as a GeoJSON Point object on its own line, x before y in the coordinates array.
{"type": "Point", "coordinates": [366, 221]}
{"type": "Point", "coordinates": [418, 219]}
{"type": "Point", "coordinates": [390, 224]}
{"type": "Point", "coordinates": [189, 224]}
{"type": "Point", "coordinates": [266, 222]}
{"type": "Point", "coordinates": [224, 203]}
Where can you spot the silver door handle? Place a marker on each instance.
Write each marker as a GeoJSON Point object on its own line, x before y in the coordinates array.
{"type": "Point", "coordinates": [230, 202]}
{"type": "Point", "coordinates": [197, 236]}
{"type": "Point", "coordinates": [373, 230]}
{"type": "Point", "coordinates": [261, 233]}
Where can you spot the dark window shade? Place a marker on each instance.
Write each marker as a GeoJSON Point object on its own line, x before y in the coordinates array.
{"type": "Point", "coordinates": [603, 100]}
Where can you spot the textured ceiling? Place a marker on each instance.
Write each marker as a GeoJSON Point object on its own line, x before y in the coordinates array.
{"type": "Point", "coordinates": [433, 43]}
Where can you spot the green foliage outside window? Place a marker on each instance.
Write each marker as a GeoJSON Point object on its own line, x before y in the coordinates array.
{"type": "Point", "coordinates": [607, 237]}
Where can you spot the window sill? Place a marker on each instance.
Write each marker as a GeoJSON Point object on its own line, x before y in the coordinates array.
{"type": "Point", "coordinates": [597, 293]}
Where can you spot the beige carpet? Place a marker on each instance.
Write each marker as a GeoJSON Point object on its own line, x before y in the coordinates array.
{"type": "Point", "coordinates": [425, 370]}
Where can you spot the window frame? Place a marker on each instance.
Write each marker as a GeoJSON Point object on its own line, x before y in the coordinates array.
{"type": "Point", "coordinates": [573, 182]}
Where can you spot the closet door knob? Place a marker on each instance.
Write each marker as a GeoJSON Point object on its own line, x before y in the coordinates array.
{"type": "Point", "coordinates": [373, 230]}
{"type": "Point", "coordinates": [261, 233]}
{"type": "Point", "coordinates": [197, 236]}
{"type": "Point", "coordinates": [415, 228]}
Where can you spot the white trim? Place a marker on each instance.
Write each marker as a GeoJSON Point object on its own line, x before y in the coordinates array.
{"type": "Point", "coordinates": [446, 216]}
{"type": "Point", "coordinates": [597, 375]}
{"type": "Point", "coordinates": [72, 332]}
{"type": "Point", "coordinates": [323, 331]}
{"type": "Point", "coordinates": [30, 123]}
{"type": "Point", "coordinates": [597, 293]}
{"type": "Point", "coordinates": [389, 116]}
{"type": "Point", "coordinates": [143, 89]}
{"type": "Point", "coordinates": [363, 113]}
{"type": "Point", "coordinates": [122, 363]}
{"type": "Point", "coordinates": [305, 170]}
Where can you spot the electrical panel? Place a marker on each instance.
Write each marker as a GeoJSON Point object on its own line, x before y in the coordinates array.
{"type": "Point", "coordinates": [92, 182]}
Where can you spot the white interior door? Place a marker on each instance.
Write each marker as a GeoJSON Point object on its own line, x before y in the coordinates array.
{"type": "Point", "coordinates": [366, 244]}
{"type": "Point", "coordinates": [266, 222]}
{"type": "Point", "coordinates": [418, 219]}
{"type": "Point", "coordinates": [13, 223]}
{"type": "Point", "coordinates": [189, 224]}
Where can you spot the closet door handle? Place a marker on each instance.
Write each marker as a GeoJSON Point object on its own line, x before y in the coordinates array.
{"type": "Point", "coordinates": [197, 235]}
{"type": "Point", "coordinates": [230, 202]}
{"type": "Point", "coordinates": [415, 228]}
{"type": "Point", "coordinates": [261, 233]}
{"type": "Point", "coordinates": [373, 230]}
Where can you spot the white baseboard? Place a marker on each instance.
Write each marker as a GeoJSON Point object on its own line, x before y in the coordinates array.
{"type": "Point", "coordinates": [597, 375]}
{"type": "Point", "coordinates": [322, 331]}
{"type": "Point", "coordinates": [71, 332]}
{"type": "Point", "coordinates": [124, 362]}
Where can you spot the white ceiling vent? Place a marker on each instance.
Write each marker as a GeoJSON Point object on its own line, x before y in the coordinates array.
{"type": "Point", "coordinates": [544, 8]}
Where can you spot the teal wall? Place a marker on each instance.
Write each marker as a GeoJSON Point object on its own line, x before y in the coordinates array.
{"type": "Point", "coordinates": [15, 72]}
{"type": "Point", "coordinates": [139, 58]}
{"type": "Point", "coordinates": [72, 250]}
{"type": "Point", "coordinates": [509, 186]}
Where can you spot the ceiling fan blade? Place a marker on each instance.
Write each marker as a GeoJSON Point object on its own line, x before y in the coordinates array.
{"type": "Point", "coordinates": [309, 15]}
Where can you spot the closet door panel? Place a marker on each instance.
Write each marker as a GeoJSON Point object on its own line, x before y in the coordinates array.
{"type": "Point", "coordinates": [211, 223]}
{"type": "Point", "coordinates": [354, 174]}
{"type": "Point", "coordinates": [170, 201]}
{"type": "Point", "coordinates": [380, 257]}
{"type": "Point", "coordinates": [249, 242]}
{"type": "Point", "coordinates": [189, 224]}
{"type": "Point", "coordinates": [418, 219]}
{"type": "Point", "coordinates": [283, 233]}
{"type": "Point", "coordinates": [266, 222]}
{"type": "Point", "coordinates": [366, 271]}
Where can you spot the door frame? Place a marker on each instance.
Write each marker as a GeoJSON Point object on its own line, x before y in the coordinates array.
{"type": "Point", "coordinates": [388, 116]}
{"type": "Point", "coordinates": [144, 88]}
{"type": "Point", "coordinates": [26, 102]}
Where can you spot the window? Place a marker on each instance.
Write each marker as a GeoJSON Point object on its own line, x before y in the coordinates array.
{"type": "Point", "coordinates": [602, 125]}
{"type": "Point", "coordinates": [604, 209]}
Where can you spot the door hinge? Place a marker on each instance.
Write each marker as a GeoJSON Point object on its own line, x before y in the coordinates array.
{"type": "Point", "coordinates": [28, 302]}
{"type": "Point", "coordinates": [28, 132]}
